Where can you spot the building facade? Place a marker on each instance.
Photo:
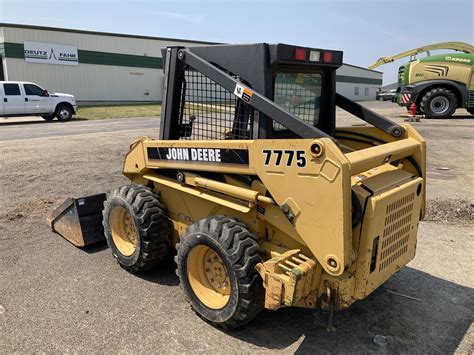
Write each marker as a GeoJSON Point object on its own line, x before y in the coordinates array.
{"type": "Point", "coordinates": [357, 83]}
{"type": "Point", "coordinates": [104, 68]}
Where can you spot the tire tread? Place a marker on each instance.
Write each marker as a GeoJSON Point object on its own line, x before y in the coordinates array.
{"type": "Point", "coordinates": [244, 252]}
{"type": "Point", "coordinates": [153, 225]}
{"type": "Point", "coordinates": [424, 103]}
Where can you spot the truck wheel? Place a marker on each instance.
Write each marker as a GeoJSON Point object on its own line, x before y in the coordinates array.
{"type": "Point", "coordinates": [438, 103]}
{"type": "Point", "coordinates": [63, 113]}
{"type": "Point", "coordinates": [48, 117]}
{"type": "Point", "coordinates": [470, 110]}
{"type": "Point", "coordinates": [136, 227]}
{"type": "Point", "coordinates": [381, 98]}
{"type": "Point", "coordinates": [216, 266]}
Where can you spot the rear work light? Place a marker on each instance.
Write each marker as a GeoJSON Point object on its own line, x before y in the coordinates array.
{"type": "Point", "coordinates": [314, 56]}
{"type": "Point", "coordinates": [327, 57]}
{"type": "Point", "coordinates": [300, 54]}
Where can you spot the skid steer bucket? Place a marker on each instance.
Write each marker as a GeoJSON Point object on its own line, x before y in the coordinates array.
{"type": "Point", "coordinates": [79, 220]}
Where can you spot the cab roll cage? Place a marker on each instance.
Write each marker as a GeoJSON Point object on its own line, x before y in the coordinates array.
{"type": "Point", "coordinates": [177, 59]}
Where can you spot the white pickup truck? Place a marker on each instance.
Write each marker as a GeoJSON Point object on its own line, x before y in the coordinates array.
{"type": "Point", "coordinates": [19, 98]}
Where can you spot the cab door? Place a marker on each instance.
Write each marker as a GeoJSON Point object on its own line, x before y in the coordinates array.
{"type": "Point", "coordinates": [13, 100]}
{"type": "Point", "coordinates": [37, 100]}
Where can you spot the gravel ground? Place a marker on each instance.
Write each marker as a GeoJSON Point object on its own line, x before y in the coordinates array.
{"type": "Point", "coordinates": [57, 298]}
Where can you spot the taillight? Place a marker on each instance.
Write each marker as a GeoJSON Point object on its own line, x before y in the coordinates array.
{"type": "Point", "coordinates": [327, 57]}
{"type": "Point", "coordinates": [300, 54]}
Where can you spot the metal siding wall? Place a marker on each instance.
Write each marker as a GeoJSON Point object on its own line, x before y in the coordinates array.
{"type": "Point", "coordinates": [100, 43]}
{"type": "Point", "coordinates": [91, 82]}
{"type": "Point", "coordinates": [347, 89]}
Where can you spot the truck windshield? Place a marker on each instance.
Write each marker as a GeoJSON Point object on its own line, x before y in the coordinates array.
{"type": "Point", "coordinates": [300, 94]}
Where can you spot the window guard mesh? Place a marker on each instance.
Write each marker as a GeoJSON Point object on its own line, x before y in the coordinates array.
{"type": "Point", "coordinates": [298, 94]}
{"type": "Point", "coordinates": [209, 111]}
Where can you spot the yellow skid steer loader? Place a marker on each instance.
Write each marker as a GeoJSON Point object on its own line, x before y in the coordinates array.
{"type": "Point", "coordinates": [266, 202]}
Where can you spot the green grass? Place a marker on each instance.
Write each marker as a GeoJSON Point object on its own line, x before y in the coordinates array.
{"type": "Point", "coordinates": [118, 111]}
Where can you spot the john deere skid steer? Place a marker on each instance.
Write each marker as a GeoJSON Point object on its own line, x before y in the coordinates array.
{"type": "Point", "coordinates": [267, 204]}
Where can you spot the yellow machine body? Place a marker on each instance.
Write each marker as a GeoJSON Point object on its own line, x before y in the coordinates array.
{"type": "Point", "coordinates": [305, 227]}
{"type": "Point", "coordinates": [265, 201]}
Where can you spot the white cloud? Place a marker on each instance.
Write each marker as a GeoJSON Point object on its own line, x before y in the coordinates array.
{"type": "Point", "coordinates": [196, 19]}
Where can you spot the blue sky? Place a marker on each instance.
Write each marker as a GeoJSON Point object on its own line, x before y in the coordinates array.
{"type": "Point", "coordinates": [364, 30]}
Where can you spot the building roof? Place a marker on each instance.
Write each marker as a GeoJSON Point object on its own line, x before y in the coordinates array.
{"type": "Point", "coordinates": [355, 66]}
{"type": "Point", "coordinates": [112, 34]}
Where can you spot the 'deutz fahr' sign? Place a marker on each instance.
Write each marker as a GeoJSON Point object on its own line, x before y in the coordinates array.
{"type": "Point", "coordinates": [49, 53]}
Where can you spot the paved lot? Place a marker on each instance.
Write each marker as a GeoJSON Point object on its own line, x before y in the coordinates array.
{"type": "Point", "coordinates": [57, 298]}
{"type": "Point", "coordinates": [33, 127]}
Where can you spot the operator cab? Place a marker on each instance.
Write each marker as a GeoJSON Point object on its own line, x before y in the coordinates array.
{"type": "Point", "coordinates": [230, 92]}
{"type": "Point", "coordinates": [300, 80]}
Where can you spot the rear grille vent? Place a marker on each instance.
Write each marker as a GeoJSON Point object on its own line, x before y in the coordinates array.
{"type": "Point", "coordinates": [398, 217]}
{"type": "Point", "coordinates": [471, 98]}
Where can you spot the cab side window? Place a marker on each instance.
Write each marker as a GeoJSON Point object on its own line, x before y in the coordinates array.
{"type": "Point", "coordinates": [300, 94]}
{"type": "Point", "coordinates": [11, 89]}
{"type": "Point", "coordinates": [31, 89]}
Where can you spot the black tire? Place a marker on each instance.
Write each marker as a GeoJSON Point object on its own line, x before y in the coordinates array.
{"type": "Point", "coordinates": [63, 113]}
{"type": "Point", "coordinates": [148, 224]}
{"type": "Point", "coordinates": [470, 110]}
{"type": "Point", "coordinates": [239, 252]}
{"type": "Point", "coordinates": [438, 103]}
{"type": "Point", "coordinates": [48, 117]}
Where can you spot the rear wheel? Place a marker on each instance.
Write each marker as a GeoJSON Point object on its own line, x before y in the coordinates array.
{"type": "Point", "coordinates": [216, 265]}
{"type": "Point", "coordinates": [438, 103]}
{"type": "Point", "coordinates": [64, 113]}
{"type": "Point", "coordinates": [48, 117]}
{"type": "Point", "coordinates": [136, 227]}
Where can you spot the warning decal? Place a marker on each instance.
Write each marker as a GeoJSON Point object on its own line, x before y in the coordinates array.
{"type": "Point", "coordinates": [242, 92]}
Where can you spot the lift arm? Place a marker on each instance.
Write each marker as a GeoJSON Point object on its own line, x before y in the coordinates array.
{"type": "Point", "coordinates": [457, 46]}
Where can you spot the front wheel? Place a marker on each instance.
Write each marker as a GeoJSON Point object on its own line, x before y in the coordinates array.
{"type": "Point", "coordinates": [438, 103]}
{"type": "Point", "coordinates": [136, 227]}
{"type": "Point", "coordinates": [216, 262]}
{"type": "Point", "coordinates": [64, 113]}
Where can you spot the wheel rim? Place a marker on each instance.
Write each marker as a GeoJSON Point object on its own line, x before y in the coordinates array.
{"type": "Point", "coordinates": [439, 104]}
{"type": "Point", "coordinates": [64, 114]}
{"type": "Point", "coordinates": [208, 277]}
{"type": "Point", "coordinates": [123, 230]}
